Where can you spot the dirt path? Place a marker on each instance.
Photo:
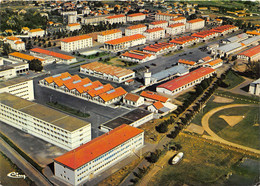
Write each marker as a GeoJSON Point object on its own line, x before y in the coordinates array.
{"type": "Point", "coordinates": [157, 166]}
{"type": "Point", "coordinates": [214, 136]}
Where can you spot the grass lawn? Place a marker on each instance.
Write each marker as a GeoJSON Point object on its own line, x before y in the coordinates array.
{"type": "Point", "coordinates": [246, 132]}
{"type": "Point", "coordinates": [233, 79]}
{"type": "Point", "coordinates": [197, 45]}
{"type": "Point", "coordinates": [68, 109]}
{"type": "Point", "coordinates": [203, 164]}
{"type": "Point", "coordinates": [239, 97]}
{"type": "Point", "coordinates": [173, 53]}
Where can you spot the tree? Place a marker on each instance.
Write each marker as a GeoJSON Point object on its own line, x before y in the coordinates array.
{"type": "Point", "coordinates": [49, 44]}
{"type": "Point", "coordinates": [6, 49]}
{"type": "Point", "coordinates": [35, 65]}
{"type": "Point", "coordinates": [29, 45]}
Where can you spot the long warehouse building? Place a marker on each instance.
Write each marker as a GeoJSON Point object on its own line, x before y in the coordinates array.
{"type": "Point", "coordinates": [92, 158]}
{"type": "Point", "coordinates": [45, 123]}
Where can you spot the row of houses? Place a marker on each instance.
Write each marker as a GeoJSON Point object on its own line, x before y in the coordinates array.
{"type": "Point", "coordinates": [84, 88]}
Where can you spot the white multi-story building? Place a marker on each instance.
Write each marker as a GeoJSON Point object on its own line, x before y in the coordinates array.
{"type": "Point", "coordinates": [79, 165]}
{"type": "Point", "coordinates": [116, 19]}
{"type": "Point", "coordinates": [76, 43]}
{"type": "Point", "coordinates": [36, 32]}
{"type": "Point", "coordinates": [154, 33]}
{"type": "Point", "coordinates": [109, 72]}
{"type": "Point", "coordinates": [175, 29]}
{"type": "Point", "coordinates": [73, 26]}
{"type": "Point", "coordinates": [252, 54]}
{"type": "Point", "coordinates": [158, 24]}
{"type": "Point", "coordinates": [15, 43]}
{"type": "Point", "coordinates": [109, 35]}
{"type": "Point", "coordinates": [191, 79]}
{"type": "Point", "coordinates": [165, 16]}
{"type": "Point", "coordinates": [12, 68]}
{"type": "Point", "coordinates": [135, 29]}
{"type": "Point", "coordinates": [43, 122]}
{"type": "Point", "coordinates": [20, 87]}
{"type": "Point", "coordinates": [195, 24]}
{"type": "Point", "coordinates": [136, 17]}
{"type": "Point", "coordinates": [177, 20]}
{"type": "Point", "coordinates": [125, 42]}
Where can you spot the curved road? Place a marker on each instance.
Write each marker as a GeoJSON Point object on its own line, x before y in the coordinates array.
{"type": "Point", "coordinates": [25, 166]}
{"type": "Point", "coordinates": [214, 136]}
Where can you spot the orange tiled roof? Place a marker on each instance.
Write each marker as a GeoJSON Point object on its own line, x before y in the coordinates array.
{"type": "Point", "coordinates": [158, 47]}
{"type": "Point", "coordinates": [223, 28]}
{"type": "Point", "coordinates": [108, 32]}
{"type": "Point", "coordinates": [207, 58]}
{"type": "Point", "coordinates": [154, 30]}
{"type": "Point", "coordinates": [112, 94]}
{"type": "Point", "coordinates": [73, 24]}
{"type": "Point", "coordinates": [25, 28]}
{"type": "Point", "coordinates": [158, 105]}
{"type": "Point", "coordinates": [13, 38]}
{"type": "Point", "coordinates": [24, 56]}
{"type": "Point", "coordinates": [57, 76]}
{"type": "Point", "coordinates": [36, 30]}
{"type": "Point", "coordinates": [182, 40]}
{"type": "Point", "coordinates": [154, 96]}
{"type": "Point", "coordinates": [136, 26]}
{"type": "Point", "coordinates": [63, 81]}
{"type": "Point", "coordinates": [195, 20]}
{"type": "Point", "coordinates": [137, 54]}
{"type": "Point", "coordinates": [158, 22]}
{"type": "Point", "coordinates": [115, 16]}
{"type": "Point", "coordinates": [18, 42]}
{"type": "Point", "coordinates": [135, 15]}
{"type": "Point", "coordinates": [75, 38]}
{"type": "Point", "coordinates": [187, 62]}
{"type": "Point", "coordinates": [251, 52]}
{"type": "Point", "coordinates": [77, 84]}
{"type": "Point", "coordinates": [50, 53]}
{"type": "Point", "coordinates": [98, 146]}
{"type": "Point", "coordinates": [99, 90]}
{"type": "Point", "coordinates": [125, 39]}
{"type": "Point", "coordinates": [166, 14]}
{"type": "Point", "coordinates": [132, 97]}
{"type": "Point", "coordinates": [203, 34]}
{"type": "Point", "coordinates": [214, 62]}
{"type": "Point", "coordinates": [176, 25]}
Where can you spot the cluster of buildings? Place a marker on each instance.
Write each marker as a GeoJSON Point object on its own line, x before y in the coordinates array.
{"type": "Point", "coordinates": [84, 88]}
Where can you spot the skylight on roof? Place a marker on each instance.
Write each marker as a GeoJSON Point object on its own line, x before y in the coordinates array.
{"type": "Point", "coordinates": [64, 79]}
{"type": "Point", "coordinates": [98, 88]}
{"type": "Point", "coordinates": [86, 85]}
{"type": "Point", "coordinates": [57, 75]}
{"type": "Point", "coordinates": [111, 91]}
{"type": "Point", "coordinates": [74, 82]}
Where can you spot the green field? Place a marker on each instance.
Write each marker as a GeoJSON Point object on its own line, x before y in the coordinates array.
{"type": "Point", "coordinates": [203, 164]}
{"type": "Point", "coordinates": [246, 132]}
{"type": "Point", "coordinates": [233, 79]}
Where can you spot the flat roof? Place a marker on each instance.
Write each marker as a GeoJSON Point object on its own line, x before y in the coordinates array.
{"type": "Point", "coordinates": [13, 81]}
{"type": "Point", "coordinates": [42, 112]}
{"type": "Point", "coordinates": [98, 146]}
{"type": "Point", "coordinates": [127, 118]}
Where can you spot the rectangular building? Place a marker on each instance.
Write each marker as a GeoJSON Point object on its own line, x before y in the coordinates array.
{"type": "Point", "coordinates": [43, 122]}
{"type": "Point", "coordinates": [175, 29]}
{"type": "Point", "coordinates": [70, 44]}
{"type": "Point", "coordinates": [135, 29]}
{"type": "Point", "coordinates": [154, 33]}
{"type": "Point", "coordinates": [252, 54]}
{"type": "Point", "coordinates": [165, 16]}
{"type": "Point", "coordinates": [53, 56]}
{"type": "Point", "coordinates": [125, 42]}
{"type": "Point", "coordinates": [92, 158]}
{"type": "Point", "coordinates": [205, 35]}
{"type": "Point", "coordinates": [116, 19]}
{"type": "Point", "coordinates": [21, 87]}
{"type": "Point", "coordinates": [225, 29]}
{"type": "Point", "coordinates": [158, 24]}
{"type": "Point", "coordinates": [109, 35]}
{"type": "Point", "coordinates": [184, 82]}
{"type": "Point", "coordinates": [108, 72]}
{"type": "Point", "coordinates": [73, 26]}
{"type": "Point", "coordinates": [177, 20]}
{"type": "Point", "coordinates": [254, 87]}
{"type": "Point", "coordinates": [136, 17]}
{"type": "Point", "coordinates": [195, 24]}
{"type": "Point", "coordinates": [137, 56]}
{"type": "Point", "coordinates": [17, 56]}
{"type": "Point", "coordinates": [36, 32]}
{"type": "Point", "coordinates": [159, 48]}
{"type": "Point", "coordinates": [15, 43]}
{"type": "Point", "coordinates": [184, 41]}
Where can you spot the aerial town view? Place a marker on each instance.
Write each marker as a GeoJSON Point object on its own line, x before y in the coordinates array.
{"type": "Point", "coordinates": [130, 92]}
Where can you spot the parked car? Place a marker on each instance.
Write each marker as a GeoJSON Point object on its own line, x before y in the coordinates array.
{"type": "Point", "coordinates": [177, 158]}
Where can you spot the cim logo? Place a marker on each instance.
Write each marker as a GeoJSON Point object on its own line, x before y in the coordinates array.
{"type": "Point", "coordinates": [15, 175]}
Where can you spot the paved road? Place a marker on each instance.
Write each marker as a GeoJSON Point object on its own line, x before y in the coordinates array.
{"type": "Point", "coordinates": [214, 136]}
{"type": "Point", "coordinates": [26, 167]}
